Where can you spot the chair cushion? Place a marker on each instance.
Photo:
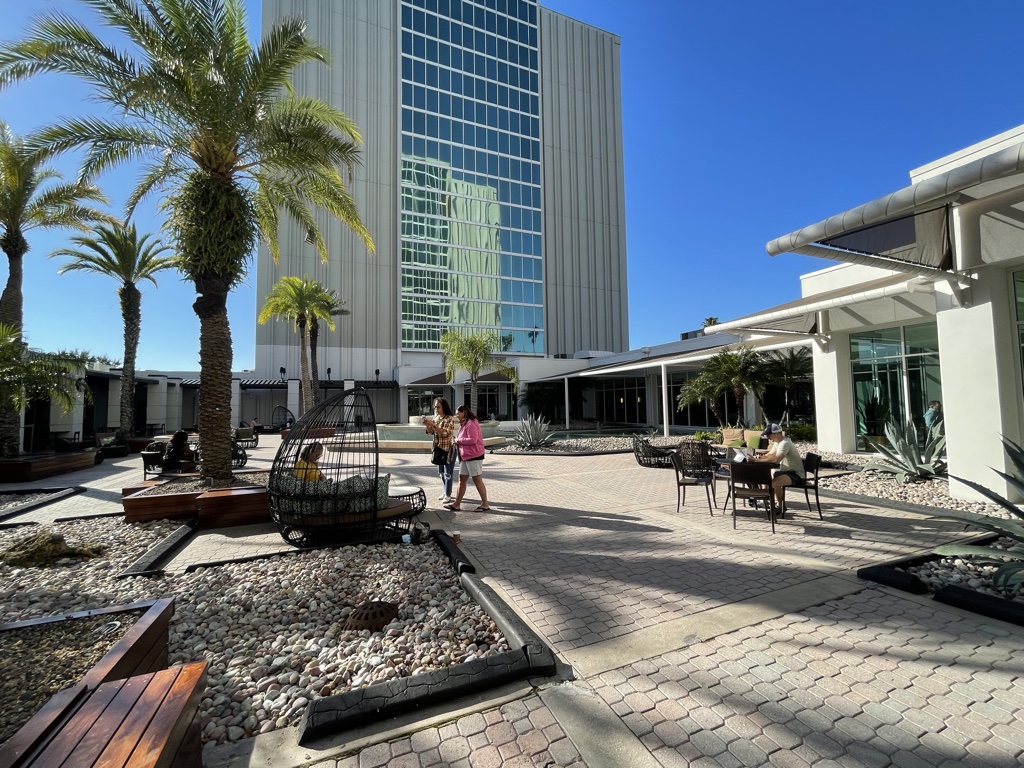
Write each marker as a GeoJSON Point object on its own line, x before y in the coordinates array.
{"type": "Point", "coordinates": [736, 444]}
{"type": "Point", "coordinates": [729, 435]}
{"type": "Point", "coordinates": [383, 481]}
{"type": "Point", "coordinates": [754, 443]}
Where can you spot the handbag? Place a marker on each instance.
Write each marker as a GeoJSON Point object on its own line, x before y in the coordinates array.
{"type": "Point", "coordinates": [453, 454]}
{"type": "Point", "coordinates": [439, 456]}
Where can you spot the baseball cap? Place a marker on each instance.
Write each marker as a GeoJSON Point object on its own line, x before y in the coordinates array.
{"type": "Point", "coordinates": [771, 429]}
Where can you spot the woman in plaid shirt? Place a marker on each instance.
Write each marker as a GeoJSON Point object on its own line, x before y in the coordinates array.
{"type": "Point", "coordinates": [442, 427]}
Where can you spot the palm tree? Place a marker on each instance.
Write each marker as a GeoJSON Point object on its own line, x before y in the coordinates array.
{"type": "Point", "coordinates": [788, 367]}
{"type": "Point", "coordinates": [325, 306]}
{"type": "Point", "coordinates": [28, 202]}
{"type": "Point", "coordinates": [292, 298]}
{"type": "Point", "coordinates": [739, 371]}
{"type": "Point", "coordinates": [711, 320]}
{"type": "Point", "coordinates": [27, 374]}
{"type": "Point", "coordinates": [118, 252]}
{"type": "Point", "coordinates": [224, 137]}
{"type": "Point", "coordinates": [473, 352]}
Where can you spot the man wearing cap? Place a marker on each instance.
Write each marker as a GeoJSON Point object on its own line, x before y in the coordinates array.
{"type": "Point", "coordinates": [791, 466]}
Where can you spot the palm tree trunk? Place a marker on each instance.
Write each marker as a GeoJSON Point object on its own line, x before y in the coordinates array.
{"type": "Point", "coordinates": [215, 359]}
{"type": "Point", "coordinates": [314, 367]}
{"type": "Point", "coordinates": [307, 394]}
{"type": "Point", "coordinates": [472, 393]}
{"type": "Point", "coordinates": [15, 246]}
{"type": "Point", "coordinates": [131, 314]}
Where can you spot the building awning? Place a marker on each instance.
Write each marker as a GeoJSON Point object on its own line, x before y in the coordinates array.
{"type": "Point", "coordinates": [907, 230]}
{"type": "Point", "coordinates": [382, 384]}
{"type": "Point", "coordinates": [255, 383]}
{"type": "Point", "coordinates": [437, 380]}
{"type": "Point", "coordinates": [799, 316]}
{"type": "Point", "coordinates": [687, 360]}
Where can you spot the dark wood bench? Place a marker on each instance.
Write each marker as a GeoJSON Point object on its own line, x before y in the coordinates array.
{"type": "Point", "coordinates": [38, 466]}
{"type": "Point", "coordinates": [148, 721]}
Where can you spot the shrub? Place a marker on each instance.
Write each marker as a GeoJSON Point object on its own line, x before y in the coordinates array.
{"type": "Point", "coordinates": [802, 432]}
{"type": "Point", "coordinates": [709, 437]}
{"type": "Point", "coordinates": [905, 459]}
{"type": "Point", "coordinates": [1009, 562]}
{"type": "Point", "coordinates": [532, 432]}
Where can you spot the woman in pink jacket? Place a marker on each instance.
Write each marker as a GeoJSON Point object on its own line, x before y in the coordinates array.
{"type": "Point", "coordinates": [470, 441]}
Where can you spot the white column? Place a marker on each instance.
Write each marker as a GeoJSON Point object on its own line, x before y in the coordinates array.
{"type": "Point", "coordinates": [833, 396]}
{"type": "Point", "coordinates": [565, 381]}
{"type": "Point", "coordinates": [295, 398]}
{"type": "Point", "coordinates": [981, 399]}
{"type": "Point", "coordinates": [174, 400]}
{"type": "Point", "coordinates": [114, 404]}
{"type": "Point", "coordinates": [67, 423]}
{"type": "Point", "coordinates": [236, 401]}
{"type": "Point", "coordinates": [156, 402]}
{"type": "Point", "coordinates": [665, 399]}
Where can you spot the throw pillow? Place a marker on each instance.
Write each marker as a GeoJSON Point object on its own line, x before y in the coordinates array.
{"type": "Point", "coordinates": [383, 481]}
{"type": "Point", "coordinates": [736, 444]}
{"type": "Point", "coordinates": [754, 443]}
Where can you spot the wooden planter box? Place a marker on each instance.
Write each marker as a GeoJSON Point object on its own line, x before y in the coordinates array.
{"type": "Point", "coordinates": [218, 508]}
{"type": "Point", "coordinates": [35, 467]}
{"type": "Point", "coordinates": [142, 649]}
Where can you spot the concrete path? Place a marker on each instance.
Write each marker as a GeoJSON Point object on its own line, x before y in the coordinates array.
{"type": "Point", "coordinates": [682, 640]}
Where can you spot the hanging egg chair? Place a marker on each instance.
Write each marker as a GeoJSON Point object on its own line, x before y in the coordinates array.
{"type": "Point", "coordinates": [324, 487]}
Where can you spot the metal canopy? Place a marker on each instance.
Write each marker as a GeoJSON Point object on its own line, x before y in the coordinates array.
{"type": "Point", "coordinates": [907, 230]}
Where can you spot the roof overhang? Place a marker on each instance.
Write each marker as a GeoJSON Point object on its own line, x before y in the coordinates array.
{"type": "Point", "coordinates": [907, 230]}
{"type": "Point", "coordinates": [799, 317]}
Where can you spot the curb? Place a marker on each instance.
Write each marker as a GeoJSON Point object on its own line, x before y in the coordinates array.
{"type": "Point", "coordinates": [53, 494]}
{"type": "Point", "coordinates": [529, 656]}
{"type": "Point", "coordinates": [150, 564]}
{"type": "Point", "coordinates": [902, 506]}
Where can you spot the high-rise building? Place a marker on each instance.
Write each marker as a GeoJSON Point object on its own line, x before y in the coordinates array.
{"type": "Point", "coordinates": [492, 182]}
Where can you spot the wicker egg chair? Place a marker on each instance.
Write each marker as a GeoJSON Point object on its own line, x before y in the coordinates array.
{"type": "Point", "coordinates": [324, 488]}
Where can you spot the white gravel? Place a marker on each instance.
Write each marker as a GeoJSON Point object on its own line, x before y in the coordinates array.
{"type": "Point", "coordinates": [271, 629]}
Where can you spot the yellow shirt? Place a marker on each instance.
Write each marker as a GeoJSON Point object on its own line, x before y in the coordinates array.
{"type": "Point", "coordinates": [308, 470]}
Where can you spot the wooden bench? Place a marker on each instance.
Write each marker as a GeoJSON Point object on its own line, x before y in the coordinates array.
{"type": "Point", "coordinates": [38, 466]}
{"type": "Point", "coordinates": [149, 720]}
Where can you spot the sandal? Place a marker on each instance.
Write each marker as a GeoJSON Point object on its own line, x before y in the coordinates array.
{"type": "Point", "coordinates": [482, 509]}
{"type": "Point", "coordinates": [453, 507]}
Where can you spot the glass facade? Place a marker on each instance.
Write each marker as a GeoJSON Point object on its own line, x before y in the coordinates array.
{"type": "Point", "coordinates": [470, 173]}
{"type": "Point", "coordinates": [895, 376]}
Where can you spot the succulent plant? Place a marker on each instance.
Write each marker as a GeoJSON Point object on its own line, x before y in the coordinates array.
{"type": "Point", "coordinates": [532, 432]}
{"type": "Point", "coordinates": [904, 458]}
{"type": "Point", "coordinates": [1009, 561]}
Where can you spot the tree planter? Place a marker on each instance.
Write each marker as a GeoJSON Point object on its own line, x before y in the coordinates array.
{"type": "Point", "coordinates": [216, 508]}
{"type": "Point", "coordinates": [895, 575]}
{"type": "Point", "coordinates": [142, 649]}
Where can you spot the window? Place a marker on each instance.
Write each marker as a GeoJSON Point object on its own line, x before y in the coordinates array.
{"type": "Point", "coordinates": [895, 375]}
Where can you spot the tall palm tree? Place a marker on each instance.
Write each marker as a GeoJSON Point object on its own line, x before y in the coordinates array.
{"type": "Point", "coordinates": [223, 136]}
{"type": "Point", "coordinates": [27, 374]}
{"type": "Point", "coordinates": [710, 320]}
{"type": "Point", "coordinates": [472, 352]}
{"type": "Point", "coordinates": [326, 306]}
{"type": "Point", "coordinates": [27, 202]}
{"type": "Point", "coordinates": [293, 299]}
{"type": "Point", "coordinates": [787, 368]}
{"type": "Point", "coordinates": [738, 371]}
{"type": "Point", "coordinates": [118, 252]}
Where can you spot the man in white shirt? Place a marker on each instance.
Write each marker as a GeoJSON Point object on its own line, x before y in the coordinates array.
{"type": "Point", "coordinates": [791, 466]}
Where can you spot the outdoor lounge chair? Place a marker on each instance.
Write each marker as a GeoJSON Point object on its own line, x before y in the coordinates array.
{"type": "Point", "coordinates": [648, 456]}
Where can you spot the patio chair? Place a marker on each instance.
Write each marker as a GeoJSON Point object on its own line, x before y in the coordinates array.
{"type": "Point", "coordinates": [648, 456]}
{"type": "Point", "coordinates": [812, 465]}
{"type": "Point", "coordinates": [693, 466]}
{"type": "Point", "coordinates": [753, 481]}
{"type": "Point", "coordinates": [152, 459]}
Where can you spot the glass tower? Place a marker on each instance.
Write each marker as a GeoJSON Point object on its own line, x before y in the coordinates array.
{"type": "Point", "coordinates": [470, 173]}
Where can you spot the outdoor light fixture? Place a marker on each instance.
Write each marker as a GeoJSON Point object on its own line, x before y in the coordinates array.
{"type": "Point", "coordinates": [376, 372]}
{"type": "Point", "coordinates": [328, 374]}
{"type": "Point", "coordinates": [283, 373]}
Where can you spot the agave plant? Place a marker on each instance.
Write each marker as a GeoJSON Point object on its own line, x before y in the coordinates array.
{"type": "Point", "coordinates": [904, 458]}
{"type": "Point", "coordinates": [532, 432]}
{"type": "Point", "coordinates": [1009, 562]}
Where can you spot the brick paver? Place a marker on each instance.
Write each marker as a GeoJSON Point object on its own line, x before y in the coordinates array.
{"type": "Point", "coordinates": [591, 549]}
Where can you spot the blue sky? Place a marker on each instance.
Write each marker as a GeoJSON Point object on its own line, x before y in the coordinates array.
{"type": "Point", "coordinates": [742, 121]}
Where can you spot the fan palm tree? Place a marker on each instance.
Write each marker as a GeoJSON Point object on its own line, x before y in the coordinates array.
{"type": "Point", "coordinates": [472, 352]}
{"type": "Point", "coordinates": [27, 374]}
{"type": "Point", "coordinates": [27, 202]}
{"type": "Point", "coordinates": [711, 320]}
{"type": "Point", "coordinates": [293, 299]}
{"type": "Point", "coordinates": [119, 253]}
{"type": "Point", "coordinates": [222, 136]}
{"type": "Point", "coordinates": [325, 306]}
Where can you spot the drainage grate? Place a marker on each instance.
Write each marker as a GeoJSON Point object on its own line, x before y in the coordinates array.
{"type": "Point", "coordinates": [374, 615]}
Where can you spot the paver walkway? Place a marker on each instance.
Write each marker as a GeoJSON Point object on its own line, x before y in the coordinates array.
{"type": "Point", "coordinates": [684, 641]}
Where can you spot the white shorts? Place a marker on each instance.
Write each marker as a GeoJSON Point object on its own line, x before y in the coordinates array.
{"type": "Point", "coordinates": [471, 468]}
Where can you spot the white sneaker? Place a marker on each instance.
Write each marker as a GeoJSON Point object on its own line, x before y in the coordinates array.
{"type": "Point", "coordinates": [449, 499]}
{"type": "Point", "coordinates": [443, 497]}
